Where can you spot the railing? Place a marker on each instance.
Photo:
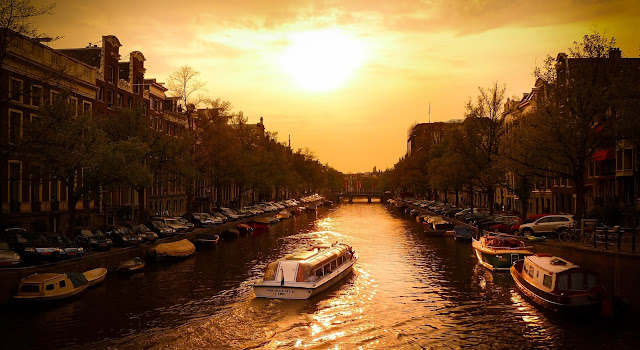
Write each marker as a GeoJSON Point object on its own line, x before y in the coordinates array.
{"type": "Point", "coordinates": [618, 238]}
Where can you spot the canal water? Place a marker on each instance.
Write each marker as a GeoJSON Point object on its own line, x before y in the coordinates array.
{"type": "Point", "coordinates": [408, 291]}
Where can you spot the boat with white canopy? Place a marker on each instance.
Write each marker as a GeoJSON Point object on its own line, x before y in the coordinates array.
{"type": "Point", "coordinates": [306, 272]}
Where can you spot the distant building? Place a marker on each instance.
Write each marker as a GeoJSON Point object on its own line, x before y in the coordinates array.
{"type": "Point", "coordinates": [427, 134]}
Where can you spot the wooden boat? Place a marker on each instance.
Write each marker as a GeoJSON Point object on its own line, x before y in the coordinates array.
{"type": "Point", "coordinates": [462, 233]}
{"type": "Point", "coordinates": [283, 214]}
{"type": "Point", "coordinates": [174, 250]}
{"type": "Point", "coordinates": [555, 283]}
{"type": "Point", "coordinates": [51, 286]}
{"type": "Point", "coordinates": [95, 276]}
{"type": "Point", "coordinates": [499, 251]}
{"type": "Point", "coordinates": [133, 265]}
{"type": "Point", "coordinates": [231, 233]}
{"type": "Point", "coordinates": [244, 228]}
{"type": "Point", "coordinates": [306, 272]}
{"type": "Point", "coordinates": [259, 224]}
{"type": "Point", "coordinates": [205, 239]}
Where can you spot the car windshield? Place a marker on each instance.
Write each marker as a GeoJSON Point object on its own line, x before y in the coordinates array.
{"type": "Point", "coordinates": [35, 237]}
{"type": "Point", "coordinates": [98, 234]}
{"type": "Point", "coordinates": [86, 233]}
{"type": "Point", "coordinates": [160, 224]}
{"type": "Point", "coordinates": [54, 239]}
{"type": "Point", "coordinates": [4, 245]}
{"type": "Point", "coordinates": [171, 222]}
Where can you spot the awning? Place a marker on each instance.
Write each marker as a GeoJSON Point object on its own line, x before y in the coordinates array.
{"type": "Point", "coordinates": [604, 154]}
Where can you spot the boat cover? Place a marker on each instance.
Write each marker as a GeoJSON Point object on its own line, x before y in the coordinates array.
{"type": "Point", "coordinates": [77, 279]}
{"type": "Point", "coordinates": [178, 248]}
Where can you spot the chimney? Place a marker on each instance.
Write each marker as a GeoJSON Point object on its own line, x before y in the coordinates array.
{"type": "Point", "coordinates": [615, 53]}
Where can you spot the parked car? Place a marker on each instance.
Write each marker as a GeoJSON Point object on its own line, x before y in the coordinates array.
{"type": "Point", "coordinates": [201, 220]}
{"type": "Point", "coordinates": [93, 240]}
{"type": "Point", "coordinates": [160, 228]}
{"type": "Point", "coordinates": [8, 258]}
{"type": "Point", "coordinates": [186, 222]}
{"type": "Point", "coordinates": [218, 218]}
{"type": "Point", "coordinates": [230, 214]}
{"type": "Point", "coordinates": [32, 247]}
{"type": "Point", "coordinates": [176, 225]}
{"type": "Point", "coordinates": [148, 236]}
{"type": "Point", "coordinates": [122, 236]}
{"type": "Point", "coordinates": [504, 227]}
{"type": "Point", "coordinates": [547, 224]}
{"type": "Point", "coordinates": [68, 249]}
{"type": "Point", "coordinates": [529, 219]}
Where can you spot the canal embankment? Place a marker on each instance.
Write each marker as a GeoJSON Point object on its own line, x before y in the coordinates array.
{"type": "Point", "coordinates": [618, 270]}
{"type": "Point", "coordinates": [111, 259]}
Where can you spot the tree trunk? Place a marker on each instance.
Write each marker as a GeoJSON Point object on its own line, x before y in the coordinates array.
{"type": "Point", "coordinates": [457, 198]}
{"type": "Point", "coordinates": [580, 194]}
{"type": "Point", "coordinates": [491, 193]}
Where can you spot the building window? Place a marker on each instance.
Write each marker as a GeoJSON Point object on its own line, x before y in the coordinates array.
{"type": "Point", "coordinates": [73, 101]}
{"type": "Point", "coordinates": [86, 107]}
{"type": "Point", "coordinates": [36, 96]}
{"type": "Point", "coordinates": [100, 94]}
{"type": "Point", "coordinates": [109, 98]}
{"type": "Point", "coordinates": [110, 74]}
{"type": "Point", "coordinates": [129, 101]}
{"type": "Point", "coordinates": [628, 159]}
{"type": "Point", "coordinates": [15, 88]}
{"type": "Point", "coordinates": [15, 126]}
{"type": "Point", "coordinates": [136, 87]}
{"type": "Point", "coordinates": [53, 96]}
{"type": "Point", "coordinates": [119, 99]}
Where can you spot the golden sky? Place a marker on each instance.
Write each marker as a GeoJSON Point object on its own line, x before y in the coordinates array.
{"type": "Point", "coordinates": [346, 78]}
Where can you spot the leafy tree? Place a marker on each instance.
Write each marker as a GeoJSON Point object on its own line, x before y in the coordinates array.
{"type": "Point", "coordinates": [74, 150]}
{"type": "Point", "coordinates": [579, 108]}
{"type": "Point", "coordinates": [479, 144]}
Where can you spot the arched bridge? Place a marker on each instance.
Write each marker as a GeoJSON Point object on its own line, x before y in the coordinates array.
{"type": "Point", "coordinates": [337, 197]}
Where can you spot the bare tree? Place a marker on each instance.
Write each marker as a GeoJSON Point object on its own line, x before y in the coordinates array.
{"type": "Point", "coordinates": [185, 82]}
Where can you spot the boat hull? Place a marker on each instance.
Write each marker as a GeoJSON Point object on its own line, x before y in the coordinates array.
{"type": "Point", "coordinates": [580, 302]}
{"type": "Point", "coordinates": [498, 259]}
{"type": "Point", "coordinates": [275, 291]}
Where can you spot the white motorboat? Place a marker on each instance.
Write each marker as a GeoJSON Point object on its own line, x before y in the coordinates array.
{"type": "Point", "coordinates": [306, 272]}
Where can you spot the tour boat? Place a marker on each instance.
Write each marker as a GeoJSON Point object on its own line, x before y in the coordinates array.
{"type": "Point", "coordinates": [556, 283]}
{"type": "Point", "coordinates": [306, 272]}
{"type": "Point", "coordinates": [55, 286]}
{"type": "Point", "coordinates": [173, 250]}
{"type": "Point", "coordinates": [499, 251]}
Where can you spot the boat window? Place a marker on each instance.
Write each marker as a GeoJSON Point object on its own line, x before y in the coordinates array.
{"type": "Point", "coordinates": [319, 273]}
{"type": "Point", "coordinates": [30, 288]}
{"type": "Point", "coordinates": [334, 264]}
{"type": "Point", "coordinates": [546, 280]}
{"type": "Point", "coordinates": [577, 281]}
{"type": "Point", "coordinates": [270, 272]}
{"type": "Point", "coordinates": [526, 268]}
{"type": "Point", "coordinates": [63, 284]}
{"type": "Point", "coordinates": [531, 270]}
{"type": "Point", "coordinates": [49, 287]}
{"type": "Point", "coordinates": [327, 268]}
{"type": "Point", "coordinates": [563, 281]}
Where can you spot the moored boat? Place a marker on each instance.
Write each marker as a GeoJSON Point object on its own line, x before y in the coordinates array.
{"type": "Point", "coordinates": [244, 228]}
{"type": "Point", "coordinates": [307, 272]}
{"type": "Point", "coordinates": [133, 265]}
{"type": "Point", "coordinates": [231, 233]}
{"type": "Point", "coordinates": [51, 286]}
{"type": "Point", "coordinates": [283, 214]}
{"type": "Point", "coordinates": [205, 239]}
{"type": "Point", "coordinates": [95, 276]}
{"type": "Point", "coordinates": [556, 283]}
{"type": "Point", "coordinates": [462, 233]}
{"type": "Point", "coordinates": [174, 250]}
{"type": "Point", "coordinates": [259, 224]}
{"type": "Point", "coordinates": [499, 251]}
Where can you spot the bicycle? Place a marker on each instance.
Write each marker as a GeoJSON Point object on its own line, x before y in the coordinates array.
{"type": "Point", "coordinates": [569, 235]}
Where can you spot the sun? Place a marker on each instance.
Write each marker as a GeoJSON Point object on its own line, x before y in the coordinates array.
{"type": "Point", "coordinates": [322, 60]}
